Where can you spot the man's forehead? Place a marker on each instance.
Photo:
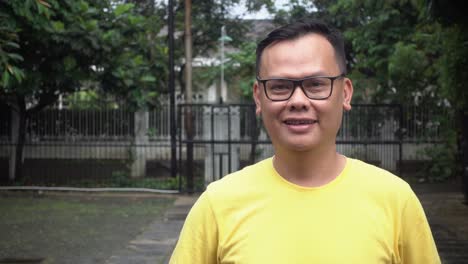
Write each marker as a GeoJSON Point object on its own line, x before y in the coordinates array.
{"type": "Point", "coordinates": [308, 45]}
{"type": "Point", "coordinates": [308, 49]}
{"type": "Point", "coordinates": [309, 37]}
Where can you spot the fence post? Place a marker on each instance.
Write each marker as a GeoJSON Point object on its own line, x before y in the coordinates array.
{"type": "Point", "coordinates": [138, 168]}
{"type": "Point", "coordinates": [400, 140]}
{"type": "Point", "coordinates": [14, 133]}
{"type": "Point", "coordinates": [189, 150]}
{"type": "Point", "coordinates": [222, 125]}
{"type": "Point", "coordinates": [464, 151]}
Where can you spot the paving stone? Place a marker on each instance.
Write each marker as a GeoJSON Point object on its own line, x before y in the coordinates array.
{"type": "Point", "coordinates": [448, 218]}
{"type": "Point", "coordinates": [156, 243]}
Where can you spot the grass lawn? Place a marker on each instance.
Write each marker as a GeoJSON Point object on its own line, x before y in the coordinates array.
{"type": "Point", "coordinates": [73, 228]}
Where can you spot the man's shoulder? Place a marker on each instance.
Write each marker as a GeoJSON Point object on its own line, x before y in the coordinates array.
{"type": "Point", "coordinates": [376, 177]}
{"type": "Point", "coordinates": [240, 181]}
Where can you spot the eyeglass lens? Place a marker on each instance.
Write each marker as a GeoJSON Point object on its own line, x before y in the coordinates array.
{"type": "Point", "coordinates": [314, 88]}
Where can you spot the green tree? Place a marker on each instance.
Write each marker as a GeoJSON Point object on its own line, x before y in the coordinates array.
{"type": "Point", "coordinates": [451, 65]}
{"type": "Point", "coordinates": [240, 69]}
{"type": "Point", "coordinates": [207, 19]}
{"type": "Point", "coordinates": [407, 52]}
{"type": "Point", "coordinates": [50, 47]}
{"type": "Point", "coordinates": [414, 52]}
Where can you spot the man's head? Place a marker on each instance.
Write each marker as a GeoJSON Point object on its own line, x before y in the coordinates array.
{"type": "Point", "coordinates": [299, 29]}
{"type": "Point", "coordinates": [301, 90]}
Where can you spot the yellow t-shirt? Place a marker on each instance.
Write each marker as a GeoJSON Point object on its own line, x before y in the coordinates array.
{"type": "Point", "coordinates": [365, 215]}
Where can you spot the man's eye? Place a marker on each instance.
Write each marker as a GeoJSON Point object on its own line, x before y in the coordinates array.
{"type": "Point", "coordinates": [316, 83]}
{"type": "Point", "coordinates": [279, 87]}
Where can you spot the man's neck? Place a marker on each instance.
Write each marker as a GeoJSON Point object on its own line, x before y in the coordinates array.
{"type": "Point", "coordinates": [309, 169]}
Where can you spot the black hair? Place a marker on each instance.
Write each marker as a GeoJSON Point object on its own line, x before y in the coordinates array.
{"type": "Point", "coordinates": [301, 28]}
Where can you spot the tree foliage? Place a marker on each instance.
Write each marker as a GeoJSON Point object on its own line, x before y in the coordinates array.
{"type": "Point", "coordinates": [51, 47]}
{"type": "Point", "coordinates": [241, 69]}
{"type": "Point", "coordinates": [410, 51]}
{"type": "Point", "coordinates": [403, 51]}
{"type": "Point", "coordinates": [207, 19]}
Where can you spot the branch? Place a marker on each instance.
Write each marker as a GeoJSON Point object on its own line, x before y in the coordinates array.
{"type": "Point", "coordinates": [45, 99]}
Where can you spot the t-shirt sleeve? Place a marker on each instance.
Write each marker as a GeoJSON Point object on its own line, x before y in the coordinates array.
{"type": "Point", "coordinates": [198, 240]}
{"type": "Point", "coordinates": [416, 243]}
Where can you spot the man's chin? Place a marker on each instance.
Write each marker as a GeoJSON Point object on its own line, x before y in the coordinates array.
{"type": "Point", "coordinates": [301, 146]}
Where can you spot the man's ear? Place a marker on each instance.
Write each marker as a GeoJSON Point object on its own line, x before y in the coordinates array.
{"type": "Point", "coordinates": [347, 94]}
{"type": "Point", "coordinates": [256, 97]}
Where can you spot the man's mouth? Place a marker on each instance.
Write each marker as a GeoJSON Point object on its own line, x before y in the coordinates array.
{"type": "Point", "coordinates": [300, 122]}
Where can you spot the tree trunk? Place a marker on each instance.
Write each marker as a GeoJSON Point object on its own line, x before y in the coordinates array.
{"type": "Point", "coordinates": [18, 135]}
{"type": "Point", "coordinates": [188, 95]}
{"type": "Point", "coordinates": [20, 117]}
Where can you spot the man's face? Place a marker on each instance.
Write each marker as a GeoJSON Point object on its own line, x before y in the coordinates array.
{"type": "Point", "coordinates": [302, 124]}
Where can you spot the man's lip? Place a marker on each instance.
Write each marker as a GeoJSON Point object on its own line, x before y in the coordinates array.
{"type": "Point", "coordinates": [299, 121]}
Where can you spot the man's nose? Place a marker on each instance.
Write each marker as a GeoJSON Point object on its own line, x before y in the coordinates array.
{"type": "Point", "coordinates": [298, 98]}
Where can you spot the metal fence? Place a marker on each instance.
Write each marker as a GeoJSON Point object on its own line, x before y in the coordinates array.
{"type": "Point", "coordinates": [107, 147]}
{"type": "Point", "coordinates": [228, 137]}
{"type": "Point", "coordinates": [416, 123]}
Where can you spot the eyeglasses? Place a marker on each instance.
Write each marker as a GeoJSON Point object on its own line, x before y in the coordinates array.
{"type": "Point", "coordinates": [315, 87]}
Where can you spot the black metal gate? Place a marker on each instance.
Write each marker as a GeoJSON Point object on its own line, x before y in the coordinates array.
{"type": "Point", "coordinates": [216, 139]}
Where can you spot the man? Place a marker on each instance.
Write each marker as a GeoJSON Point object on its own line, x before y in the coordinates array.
{"type": "Point", "coordinates": [308, 203]}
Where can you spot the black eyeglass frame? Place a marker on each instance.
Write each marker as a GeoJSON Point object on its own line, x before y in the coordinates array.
{"type": "Point", "coordinates": [298, 83]}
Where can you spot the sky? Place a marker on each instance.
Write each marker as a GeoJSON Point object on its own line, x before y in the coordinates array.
{"type": "Point", "coordinates": [262, 14]}
{"type": "Point", "coordinates": [242, 11]}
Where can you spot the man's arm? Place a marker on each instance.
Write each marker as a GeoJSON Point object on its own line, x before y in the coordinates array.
{"type": "Point", "coordinates": [416, 243]}
{"type": "Point", "coordinates": [198, 240]}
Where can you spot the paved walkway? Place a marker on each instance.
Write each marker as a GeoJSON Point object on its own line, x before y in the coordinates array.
{"type": "Point", "coordinates": [447, 215]}
{"type": "Point", "coordinates": [156, 243]}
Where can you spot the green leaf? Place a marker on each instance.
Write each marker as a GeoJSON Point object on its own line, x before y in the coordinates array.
{"type": "Point", "coordinates": [111, 35]}
{"type": "Point", "coordinates": [69, 63]}
{"type": "Point", "coordinates": [84, 6]}
{"type": "Point", "coordinates": [120, 9]}
{"type": "Point", "coordinates": [12, 45]}
{"type": "Point", "coordinates": [5, 78]}
{"type": "Point", "coordinates": [58, 26]}
{"type": "Point", "coordinates": [138, 60]}
{"type": "Point", "coordinates": [128, 82]}
{"type": "Point", "coordinates": [19, 74]}
{"type": "Point", "coordinates": [152, 94]}
{"type": "Point", "coordinates": [15, 56]}
{"type": "Point", "coordinates": [91, 25]}
{"type": "Point", "coordinates": [135, 20]}
{"type": "Point", "coordinates": [148, 78]}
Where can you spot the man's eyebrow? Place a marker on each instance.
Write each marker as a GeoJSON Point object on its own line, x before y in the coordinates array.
{"type": "Point", "coordinates": [315, 74]}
